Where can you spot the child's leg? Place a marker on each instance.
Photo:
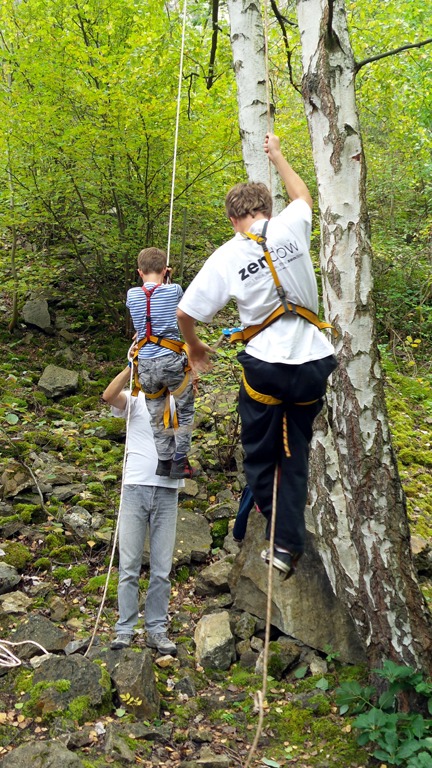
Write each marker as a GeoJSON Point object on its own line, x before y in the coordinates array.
{"type": "Point", "coordinates": [184, 399]}
{"type": "Point", "coordinates": [151, 378]}
{"type": "Point", "coordinates": [185, 415]}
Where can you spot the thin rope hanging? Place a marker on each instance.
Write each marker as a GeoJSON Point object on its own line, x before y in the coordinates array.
{"type": "Point", "coordinates": [117, 527]}
{"type": "Point", "coordinates": [176, 131]}
{"type": "Point", "coordinates": [267, 84]}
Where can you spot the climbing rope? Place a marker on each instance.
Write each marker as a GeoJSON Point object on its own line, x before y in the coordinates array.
{"type": "Point", "coordinates": [8, 659]}
{"type": "Point", "coordinates": [260, 696]}
{"type": "Point", "coordinates": [267, 83]}
{"type": "Point", "coordinates": [176, 131]}
{"type": "Point", "coordinates": [116, 530]}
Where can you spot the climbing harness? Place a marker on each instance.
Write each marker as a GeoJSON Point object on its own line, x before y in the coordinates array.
{"type": "Point", "coordinates": [173, 345]}
{"type": "Point", "coordinates": [286, 306]}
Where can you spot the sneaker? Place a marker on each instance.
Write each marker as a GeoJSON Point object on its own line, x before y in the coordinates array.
{"type": "Point", "coordinates": [181, 469]}
{"type": "Point", "coordinates": [283, 561]}
{"type": "Point", "coordinates": [121, 641]}
{"type": "Point", "coordinates": [163, 468]}
{"type": "Point", "coordinates": [162, 643]}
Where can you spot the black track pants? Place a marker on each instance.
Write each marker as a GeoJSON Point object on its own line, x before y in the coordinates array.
{"type": "Point", "coordinates": [262, 438]}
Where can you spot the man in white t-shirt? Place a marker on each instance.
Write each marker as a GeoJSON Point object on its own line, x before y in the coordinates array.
{"type": "Point", "coordinates": [148, 500]}
{"type": "Point", "coordinates": [286, 365]}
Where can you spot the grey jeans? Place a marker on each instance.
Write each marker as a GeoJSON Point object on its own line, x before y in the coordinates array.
{"type": "Point", "coordinates": [168, 371]}
{"type": "Point", "coordinates": [155, 507]}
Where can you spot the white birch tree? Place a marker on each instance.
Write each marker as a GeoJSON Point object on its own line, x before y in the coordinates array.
{"type": "Point", "coordinates": [248, 49]}
{"type": "Point", "coordinates": [356, 494]}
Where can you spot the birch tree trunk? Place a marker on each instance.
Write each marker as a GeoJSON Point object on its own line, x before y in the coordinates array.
{"type": "Point", "coordinates": [357, 499]}
{"type": "Point", "coordinates": [248, 49]}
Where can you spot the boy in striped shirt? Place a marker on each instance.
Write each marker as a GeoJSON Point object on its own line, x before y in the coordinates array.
{"type": "Point", "coordinates": [153, 309]}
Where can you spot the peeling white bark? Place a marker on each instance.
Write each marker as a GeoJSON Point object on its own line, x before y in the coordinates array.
{"type": "Point", "coordinates": [247, 44]}
{"type": "Point", "coordinates": [356, 493]}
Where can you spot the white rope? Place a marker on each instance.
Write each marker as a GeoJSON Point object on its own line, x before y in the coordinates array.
{"type": "Point", "coordinates": [176, 131]}
{"type": "Point", "coordinates": [116, 531]}
{"type": "Point", "coordinates": [8, 659]}
{"type": "Point", "coordinates": [260, 696]}
{"type": "Point", "coordinates": [267, 84]}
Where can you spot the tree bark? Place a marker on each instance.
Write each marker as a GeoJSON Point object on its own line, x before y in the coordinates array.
{"type": "Point", "coordinates": [356, 494]}
{"type": "Point", "coordinates": [248, 49]}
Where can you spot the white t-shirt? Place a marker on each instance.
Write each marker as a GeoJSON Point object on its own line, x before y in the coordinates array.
{"type": "Point", "coordinates": [141, 458]}
{"type": "Point", "coordinates": [238, 270]}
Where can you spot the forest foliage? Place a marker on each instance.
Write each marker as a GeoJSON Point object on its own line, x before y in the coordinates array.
{"type": "Point", "coordinates": [88, 98]}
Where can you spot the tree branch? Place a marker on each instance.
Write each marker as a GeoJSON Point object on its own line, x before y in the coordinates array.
{"type": "Point", "coordinates": [282, 21]}
{"type": "Point", "coordinates": [379, 56]}
{"type": "Point", "coordinates": [215, 30]}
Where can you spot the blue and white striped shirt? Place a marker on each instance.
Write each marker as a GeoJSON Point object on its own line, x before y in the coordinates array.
{"type": "Point", "coordinates": [163, 306]}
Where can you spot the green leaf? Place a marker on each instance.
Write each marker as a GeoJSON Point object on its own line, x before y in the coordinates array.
{"type": "Point", "coordinates": [271, 763]}
{"type": "Point", "coordinates": [12, 418]}
{"type": "Point", "coordinates": [322, 684]}
{"type": "Point", "coordinates": [120, 712]}
{"type": "Point", "coordinates": [300, 672]}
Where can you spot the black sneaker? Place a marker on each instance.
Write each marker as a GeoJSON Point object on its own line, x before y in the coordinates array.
{"type": "Point", "coordinates": [122, 640]}
{"type": "Point", "coordinates": [181, 469]}
{"type": "Point", "coordinates": [163, 468]}
{"type": "Point", "coordinates": [283, 561]}
{"type": "Point", "coordinates": [162, 643]}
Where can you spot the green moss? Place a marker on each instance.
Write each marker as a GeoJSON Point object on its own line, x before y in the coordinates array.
{"type": "Point", "coordinates": [97, 584]}
{"type": "Point", "coordinates": [54, 540]}
{"type": "Point", "coordinates": [219, 530]}
{"type": "Point", "coordinates": [23, 681]}
{"type": "Point", "coordinates": [55, 413]}
{"type": "Point", "coordinates": [10, 519]}
{"type": "Point", "coordinates": [182, 574]}
{"type": "Point", "coordinates": [34, 706]}
{"type": "Point", "coordinates": [67, 554]}
{"type": "Point", "coordinates": [42, 564]}
{"type": "Point", "coordinates": [39, 397]}
{"type": "Point", "coordinates": [77, 573]}
{"type": "Point", "coordinates": [28, 511]}
{"type": "Point", "coordinates": [90, 506]}
{"type": "Point", "coordinates": [16, 555]}
{"type": "Point", "coordinates": [96, 488]}
{"type": "Point", "coordinates": [80, 709]}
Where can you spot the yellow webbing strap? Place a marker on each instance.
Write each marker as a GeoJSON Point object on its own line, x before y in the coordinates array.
{"type": "Point", "coordinates": [265, 399]}
{"type": "Point", "coordinates": [286, 306]}
{"type": "Point", "coordinates": [172, 344]}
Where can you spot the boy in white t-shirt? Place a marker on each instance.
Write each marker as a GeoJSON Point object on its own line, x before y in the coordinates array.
{"type": "Point", "coordinates": [149, 502]}
{"type": "Point", "coordinates": [286, 365]}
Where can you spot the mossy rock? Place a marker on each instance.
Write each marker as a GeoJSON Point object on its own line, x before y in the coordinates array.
{"type": "Point", "coordinates": [54, 540]}
{"type": "Point", "coordinates": [76, 573]}
{"type": "Point", "coordinates": [16, 554]}
{"type": "Point", "coordinates": [40, 398]}
{"type": "Point", "coordinates": [55, 413]}
{"type": "Point", "coordinates": [90, 506]}
{"type": "Point", "coordinates": [114, 428]}
{"type": "Point", "coordinates": [219, 530]}
{"type": "Point", "coordinates": [97, 584]}
{"type": "Point", "coordinates": [30, 512]}
{"type": "Point", "coordinates": [68, 553]}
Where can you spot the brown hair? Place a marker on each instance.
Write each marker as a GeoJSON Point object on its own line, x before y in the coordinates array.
{"type": "Point", "coordinates": [248, 198]}
{"type": "Point", "coordinates": [152, 260]}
